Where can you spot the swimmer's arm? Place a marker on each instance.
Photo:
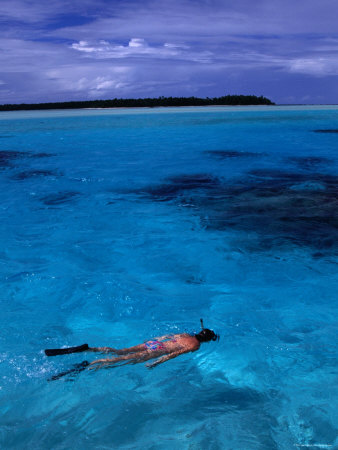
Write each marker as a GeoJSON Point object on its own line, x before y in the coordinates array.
{"type": "Point", "coordinates": [166, 358]}
{"type": "Point", "coordinates": [161, 338]}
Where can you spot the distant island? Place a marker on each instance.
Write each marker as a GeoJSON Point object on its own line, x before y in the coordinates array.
{"type": "Point", "coordinates": [232, 100]}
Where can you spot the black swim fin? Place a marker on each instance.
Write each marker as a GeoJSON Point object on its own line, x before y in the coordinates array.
{"type": "Point", "coordinates": [77, 368]}
{"type": "Point", "coordinates": [66, 351]}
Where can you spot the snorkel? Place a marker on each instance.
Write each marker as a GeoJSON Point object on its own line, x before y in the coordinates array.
{"type": "Point", "coordinates": [206, 335]}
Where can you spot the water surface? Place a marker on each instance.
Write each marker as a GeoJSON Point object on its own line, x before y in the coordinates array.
{"type": "Point", "coordinates": [120, 225]}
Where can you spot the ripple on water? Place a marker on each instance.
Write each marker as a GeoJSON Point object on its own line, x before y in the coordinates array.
{"type": "Point", "coordinates": [253, 253]}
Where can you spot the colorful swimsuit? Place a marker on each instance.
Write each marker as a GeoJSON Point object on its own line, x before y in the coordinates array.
{"type": "Point", "coordinates": [157, 345]}
{"type": "Point", "coordinates": [154, 345]}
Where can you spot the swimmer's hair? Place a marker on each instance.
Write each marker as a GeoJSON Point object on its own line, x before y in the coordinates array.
{"type": "Point", "coordinates": [206, 335]}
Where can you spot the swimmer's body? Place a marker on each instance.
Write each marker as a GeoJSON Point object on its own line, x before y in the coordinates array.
{"type": "Point", "coordinates": [163, 348]}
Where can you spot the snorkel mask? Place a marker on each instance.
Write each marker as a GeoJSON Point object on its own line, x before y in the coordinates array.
{"type": "Point", "coordinates": [206, 335]}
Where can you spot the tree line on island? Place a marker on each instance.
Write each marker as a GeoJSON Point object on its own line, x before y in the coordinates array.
{"type": "Point", "coordinates": [232, 100]}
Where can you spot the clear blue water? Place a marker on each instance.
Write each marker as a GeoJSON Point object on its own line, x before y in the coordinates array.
{"type": "Point", "coordinates": [120, 225]}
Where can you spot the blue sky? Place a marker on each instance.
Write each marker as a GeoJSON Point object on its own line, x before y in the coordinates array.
{"type": "Point", "coordinates": [61, 50]}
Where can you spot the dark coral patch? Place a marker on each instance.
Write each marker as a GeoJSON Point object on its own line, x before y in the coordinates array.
{"type": "Point", "coordinates": [42, 155]}
{"type": "Point", "coordinates": [228, 154]}
{"type": "Point", "coordinates": [280, 207]}
{"type": "Point", "coordinates": [309, 162]}
{"type": "Point", "coordinates": [59, 198]}
{"type": "Point", "coordinates": [326, 131]}
{"type": "Point", "coordinates": [37, 173]}
{"type": "Point", "coordinates": [284, 208]}
{"type": "Point", "coordinates": [276, 177]}
{"type": "Point", "coordinates": [177, 185]}
{"type": "Point", "coordinates": [7, 156]}
{"type": "Point", "coordinates": [194, 181]}
{"type": "Point", "coordinates": [194, 280]}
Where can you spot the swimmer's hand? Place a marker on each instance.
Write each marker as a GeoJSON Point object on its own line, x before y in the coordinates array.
{"type": "Point", "coordinates": [151, 365]}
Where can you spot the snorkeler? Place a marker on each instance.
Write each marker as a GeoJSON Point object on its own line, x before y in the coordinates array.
{"type": "Point", "coordinates": [163, 348]}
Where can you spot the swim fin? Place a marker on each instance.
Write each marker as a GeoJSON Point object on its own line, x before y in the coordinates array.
{"type": "Point", "coordinates": [77, 368]}
{"type": "Point", "coordinates": [66, 351]}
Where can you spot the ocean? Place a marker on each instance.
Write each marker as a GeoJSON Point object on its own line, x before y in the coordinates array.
{"type": "Point", "coordinates": [124, 224]}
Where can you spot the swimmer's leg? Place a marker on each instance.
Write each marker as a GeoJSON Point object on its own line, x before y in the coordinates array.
{"type": "Point", "coordinates": [122, 351]}
{"type": "Point", "coordinates": [86, 348]}
{"type": "Point", "coordinates": [104, 350]}
{"type": "Point", "coordinates": [135, 349]}
{"type": "Point", "coordinates": [132, 358]}
{"type": "Point", "coordinates": [78, 349]}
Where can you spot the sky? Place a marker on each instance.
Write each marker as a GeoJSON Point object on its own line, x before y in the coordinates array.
{"type": "Point", "coordinates": [60, 50]}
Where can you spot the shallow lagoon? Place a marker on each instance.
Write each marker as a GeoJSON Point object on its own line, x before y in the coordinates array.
{"type": "Point", "coordinates": [118, 225]}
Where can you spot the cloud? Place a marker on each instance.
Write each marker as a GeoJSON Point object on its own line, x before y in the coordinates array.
{"type": "Point", "coordinates": [319, 66]}
{"type": "Point", "coordinates": [84, 48]}
{"type": "Point", "coordinates": [91, 80]}
{"type": "Point", "coordinates": [212, 21]}
{"type": "Point", "coordinates": [40, 12]}
{"type": "Point", "coordinates": [317, 63]}
{"type": "Point", "coordinates": [138, 47]}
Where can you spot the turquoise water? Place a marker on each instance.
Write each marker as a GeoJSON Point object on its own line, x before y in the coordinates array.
{"type": "Point", "coordinates": [120, 225]}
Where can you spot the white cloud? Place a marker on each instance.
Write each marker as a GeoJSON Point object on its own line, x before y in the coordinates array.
{"type": "Point", "coordinates": [97, 84]}
{"type": "Point", "coordinates": [137, 43]}
{"type": "Point", "coordinates": [105, 48]}
{"type": "Point", "coordinates": [89, 80]}
{"type": "Point", "coordinates": [138, 47]}
{"type": "Point", "coordinates": [317, 65]}
{"type": "Point", "coordinates": [40, 12]}
{"type": "Point", "coordinates": [314, 64]}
